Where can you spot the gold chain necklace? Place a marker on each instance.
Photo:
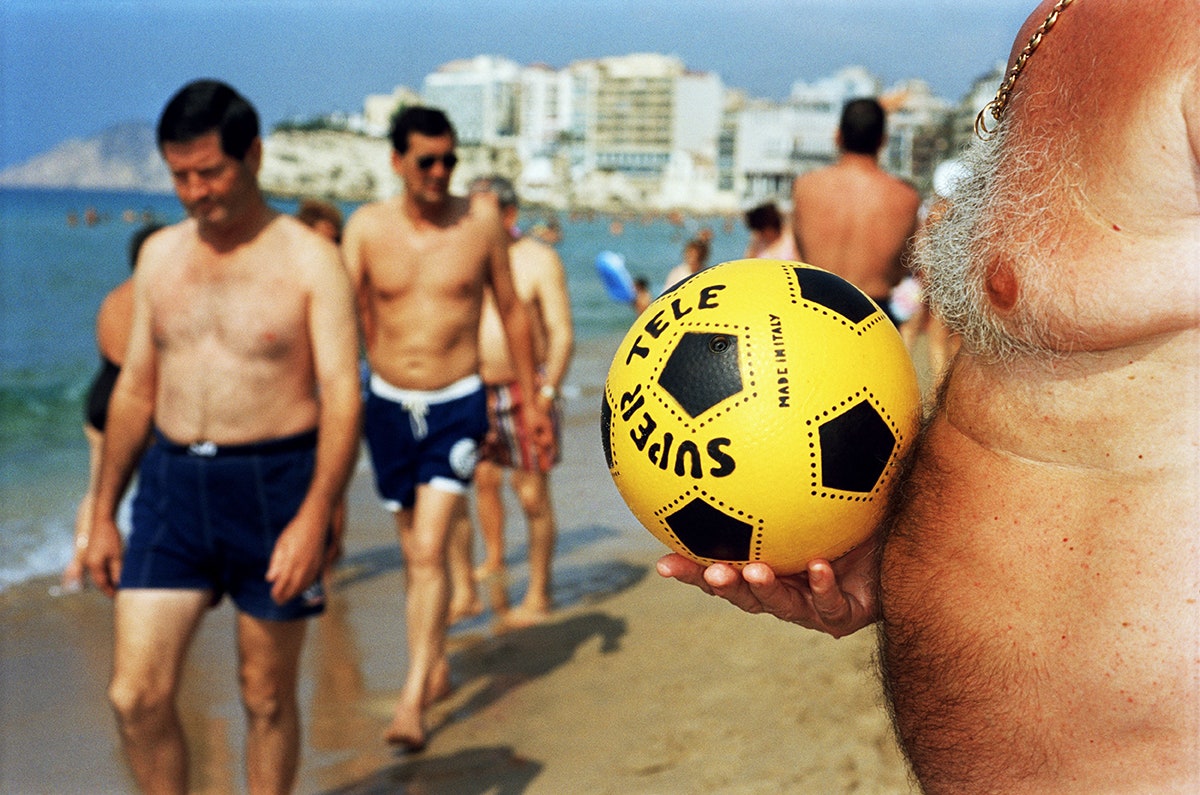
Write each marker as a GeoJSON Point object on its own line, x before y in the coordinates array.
{"type": "Point", "coordinates": [996, 107]}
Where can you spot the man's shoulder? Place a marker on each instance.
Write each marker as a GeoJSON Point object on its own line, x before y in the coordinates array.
{"type": "Point", "coordinates": [816, 180]}
{"type": "Point", "coordinates": [167, 243]}
{"type": "Point", "coordinates": [536, 264]}
{"type": "Point", "coordinates": [905, 190]}
{"type": "Point", "coordinates": [300, 241]}
{"type": "Point", "coordinates": [372, 211]}
{"type": "Point", "coordinates": [534, 251]}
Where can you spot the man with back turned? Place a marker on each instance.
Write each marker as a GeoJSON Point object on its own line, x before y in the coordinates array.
{"type": "Point", "coordinates": [852, 218]}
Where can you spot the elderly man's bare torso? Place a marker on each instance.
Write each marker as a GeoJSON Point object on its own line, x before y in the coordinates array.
{"type": "Point", "coordinates": [1040, 583]}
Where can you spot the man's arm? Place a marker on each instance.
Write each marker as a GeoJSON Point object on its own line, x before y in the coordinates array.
{"type": "Point", "coordinates": [356, 266]}
{"type": "Point", "coordinates": [300, 551]}
{"type": "Point", "coordinates": [797, 191]}
{"type": "Point", "coordinates": [555, 304]}
{"type": "Point", "coordinates": [517, 332]}
{"type": "Point", "coordinates": [130, 416]}
{"type": "Point", "coordinates": [910, 201]}
{"type": "Point", "coordinates": [515, 320]}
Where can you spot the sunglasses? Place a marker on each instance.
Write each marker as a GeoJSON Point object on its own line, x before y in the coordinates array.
{"type": "Point", "coordinates": [448, 161]}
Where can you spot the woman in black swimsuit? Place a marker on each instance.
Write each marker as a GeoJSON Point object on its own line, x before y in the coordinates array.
{"type": "Point", "coordinates": [112, 333]}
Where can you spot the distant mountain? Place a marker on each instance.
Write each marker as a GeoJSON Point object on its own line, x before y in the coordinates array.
{"type": "Point", "coordinates": [123, 157]}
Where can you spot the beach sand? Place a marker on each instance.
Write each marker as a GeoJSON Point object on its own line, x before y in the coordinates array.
{"type": "Point", "coordinates": [636, 685]}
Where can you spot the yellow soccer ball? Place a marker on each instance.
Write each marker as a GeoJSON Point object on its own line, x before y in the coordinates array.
{"type": "Point", "coordinates": [758, 412]}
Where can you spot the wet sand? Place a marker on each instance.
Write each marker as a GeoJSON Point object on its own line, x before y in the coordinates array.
{"type": "Point", "coordinates": [636, 685]}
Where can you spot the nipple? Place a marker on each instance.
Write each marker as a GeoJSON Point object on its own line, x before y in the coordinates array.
{"type": "Point", "coordinates": [1001, 286]}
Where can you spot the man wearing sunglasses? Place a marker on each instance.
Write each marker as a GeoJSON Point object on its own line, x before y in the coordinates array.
{"type": "Point", "coordinates": [420, 263]}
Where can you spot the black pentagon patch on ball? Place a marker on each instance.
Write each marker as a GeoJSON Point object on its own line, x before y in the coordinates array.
{"type": "Point", "coordinates": [606, 430]}
{"type": "Point", "coordinates": [855, 449]}
{"type": "Point", "coordinates": [710, 533]}
{"type": "Point", "coordinates": [835, 294]}
{"type": "Point", "coordinates": [702, 371]}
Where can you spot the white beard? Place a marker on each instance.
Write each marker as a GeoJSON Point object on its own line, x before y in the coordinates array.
{"type": "Point", "coordinates": [1004, 209]}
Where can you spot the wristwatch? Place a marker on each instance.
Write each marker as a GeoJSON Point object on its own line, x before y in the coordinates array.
{"type": "Point", "coordinates": [548, 391]}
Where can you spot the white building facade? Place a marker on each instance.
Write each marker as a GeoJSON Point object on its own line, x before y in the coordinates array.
{"type": "Point", "coordinates": [643, 131]}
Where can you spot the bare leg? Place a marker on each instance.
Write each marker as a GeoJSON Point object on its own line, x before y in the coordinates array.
{"type": "Point", "coordinates": [464, 596]}
{"type": "Point", "coordinates": [533, 491]}
{"type": "Point", "coordinates": [153, 629]}
{"type": "Point", "coordinates": [269, 659]}
{"type": "Point", "coordinates": [424, 534]}
{"type": "Point", "coordinates": [489, 506]}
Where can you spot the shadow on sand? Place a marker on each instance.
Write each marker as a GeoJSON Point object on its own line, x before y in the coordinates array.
{"type": "Point", "coordinates": [472, 771]}
{"type": "Point", "coordinates": [487, 668]}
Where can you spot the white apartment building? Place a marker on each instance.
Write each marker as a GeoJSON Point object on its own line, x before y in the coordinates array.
{"type": "Point", "coordinates": [774, 143]}
{"type": "Point", "coordinates": [915, 142]}
{"type": "Point", "coordinates": [650, 132]}
{"type": "Point", "coordinates": [641, 130]}
{"type": "Point", "coordinates": [549, 122]}
{"type": "Point", "coordinates": [480, 95]}
{"type": "Point", "coordinates": [378, 109]}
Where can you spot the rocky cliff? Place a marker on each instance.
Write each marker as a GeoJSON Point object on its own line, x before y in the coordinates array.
{"type": "Point", "coordinates": [337, 165]}
{"type": "Point", "coordinates": [123, 157]}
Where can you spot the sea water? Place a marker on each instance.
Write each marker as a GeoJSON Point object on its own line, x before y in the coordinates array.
{"type": "Point", "coordinates": [61, 251]}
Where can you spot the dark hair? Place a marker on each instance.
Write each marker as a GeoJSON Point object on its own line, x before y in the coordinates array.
{"type": "Point", "coordinates": [506, 194]}
{"type": "Point", "coordinates": [764, 216]}
{"type": "Point", "coordinates": [698, 245]}
{"type": "Point", "coordinates": [138, 239]}
{"type": "Point", "coordinates": [862, 126]}
{"type": "Point", "coordinates": [205, 106]}
{"type": "Point", "coordinates": [429, 122]}
{"type": "Point", "coordinates": [312, 210]}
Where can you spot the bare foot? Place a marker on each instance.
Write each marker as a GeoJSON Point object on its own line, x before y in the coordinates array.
{"type": "Point", "coordinates": [407, 731]}
{"type": "Point", "coordinates": [487, 571]}
{"type": "Point", "coordinates": [523, 616]}
{"type": "Point", "coordinates": [462, 612]}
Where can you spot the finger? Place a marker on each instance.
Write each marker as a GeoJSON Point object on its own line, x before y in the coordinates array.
{"type": "Point", "coordinates": [828, 599]}
{"type": "Point", "coordinates": [759, 574]}
{"type": "Point", "coordinates": [728, 583]}
{"type": "Point", "coordinates": [277, 576]}
{"type": "Point", "coordinates": [103, 577]}
{"type": "Point", "coordinates": [276, 565]}
{"type": "Point", "coordinates": [282, 590]}
{"type": "Point", "coordinates": [680, 568]}
{"type": "Point", "coordinates": [721, 576]}
{"type": "Point", "coordinates": [784, 597]}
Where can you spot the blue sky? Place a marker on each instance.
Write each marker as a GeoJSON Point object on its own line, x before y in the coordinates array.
{"type": "Point", "coordinates": [70, 68]}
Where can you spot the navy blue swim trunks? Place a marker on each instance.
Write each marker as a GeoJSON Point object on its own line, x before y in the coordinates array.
{"type": "Point", "coordinates": [420, 437]}
{"type": "Point", "coordinates": [206, 517]}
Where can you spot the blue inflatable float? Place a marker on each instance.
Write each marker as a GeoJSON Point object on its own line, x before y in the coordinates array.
{"type": "Point", "coordinates": [616, 279]}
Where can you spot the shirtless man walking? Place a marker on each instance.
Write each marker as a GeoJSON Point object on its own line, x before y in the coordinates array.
{"type": "Point", "coordinates": [541, 285]}
{"type": "Point", "coordinates": [241, 375]}
{"type": "Point", "coordinates": [853, 218]}
{"type": "Point", "coordinates": [1038, 585]}
{"type": "Point", "coordinates": [419, 263]}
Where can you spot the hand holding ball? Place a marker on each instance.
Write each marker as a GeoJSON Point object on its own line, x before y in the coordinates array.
{"type": "Point", "coordinates": [757, 412]}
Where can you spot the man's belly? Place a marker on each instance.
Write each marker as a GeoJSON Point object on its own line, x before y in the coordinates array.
{"type": "Point", "coordinates": [1040, 617]}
